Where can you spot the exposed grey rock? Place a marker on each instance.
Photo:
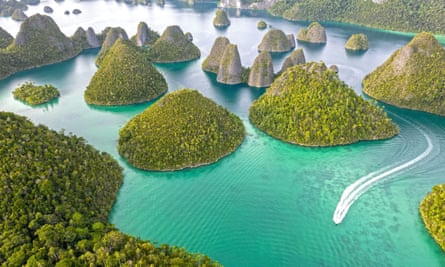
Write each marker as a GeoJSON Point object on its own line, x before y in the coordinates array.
{"type": "Point", "coordinates": [144, 35]}
{"type": "Point", "coordinates": [189, 36]}
{"type": "Point", "coordinates": [221, 20]}
{"type": "Point", "coordinates": [291, 38]}
{"type": "Point", "coordinates": [230, 68]}
{"type": "Point", "coordinates": [92, 39]}
{"type": "Point", "coordinates": [261, 72]}
{"type": "Point", "coordinates": [211, 63]}
{"type": "Point", "coordinates": [295, 58]}
{"type": "Point", "coordinates": [19, 15]}
{"type": "Point", "coordinates": [275, 41]}
{"type": "Point", "coordinates": [315, 33]}
{"type": "Point", "coordinates": [112, 35]}
{"type": "Point", "coordinates": [48, 9]}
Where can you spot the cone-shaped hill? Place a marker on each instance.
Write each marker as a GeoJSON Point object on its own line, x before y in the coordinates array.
{"type": "Point", "coordinates": [57, 193]}
{"type": "Point", "coordinates": [221, 19]}
{"type": "Point", "coordinates": [276, 41]}
{"type": "Point", "coordinates": [413, 77]}
{"type": "Point", "coordinates": [112, 34]}
{"type": "Point", "coordinates": [310, 106]}
{"type": "Point", "coordinates": [144, 35]}
{"type": "Point", "coordinates": [125, 76]}
{"type": "Point", "coordinates": [431, 208]}
{"type": "Point", "coordinates": [314, 33]}
{"type": "Point", "coordinates": [183, 129]}
{"type": "Point", "coordinates": [39, 42]}
{"type": "Point", "coordinates": [212, 61]}
{"type": "Point", "coordinates": [173, 46]}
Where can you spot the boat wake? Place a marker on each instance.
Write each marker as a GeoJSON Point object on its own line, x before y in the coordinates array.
{"type": "Point", "coordinates": [355, 190]}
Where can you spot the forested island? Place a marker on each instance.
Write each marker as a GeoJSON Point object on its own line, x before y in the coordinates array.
{"type": "Point", "coordinates": [57, 192]}
{"type": "Point", "coordinates": [125, 76]}
{"type": "Point", "coordinates": [181, 130]}
{"type": "Point", "coordinates": [431, 210]}
{"type": "Point", "coordinates": [412, 77]}
{"type": "Point", "coordinates": [32, 94]}
{"type": "Point", "coordinates": [398, 15]}
{"type": "Point", "coordinates": [308, 105]}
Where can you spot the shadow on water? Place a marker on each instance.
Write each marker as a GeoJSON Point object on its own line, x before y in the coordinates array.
{"type": "Point", "coordinates": [355, 53]}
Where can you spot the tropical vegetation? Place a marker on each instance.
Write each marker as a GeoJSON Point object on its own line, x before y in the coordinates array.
{"type": "Point", "coordinates": [33, 94]}
{"type": "Point", "coordinates": [173, 46]}
{"type": "Point", "coordinates": [183, 129]}
{"type": "Point", "coordinates": [5, 38]}
{"type": "Point", "coordinates": [357, 42]}
{"type": "Point", "coordinates": [56, 194]}
{"type": "Point", "coordinates": [221, 19]}
{"type": "Point", "coordinates": [399, 15]}
{"type": "Point", "coordinates": [310, 106]}
{"type": "Point", "coordinates": [125, 76]}
{"type": "Point", "coordinates": [39, 42]}
{"type": "Point", "coordinates": [432, 211]}
{"type": "Point", "coordinates": [412, 77]}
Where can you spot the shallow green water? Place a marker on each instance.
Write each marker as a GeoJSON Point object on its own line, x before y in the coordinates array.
{"type": "Point", "coordinates": [269, 203]}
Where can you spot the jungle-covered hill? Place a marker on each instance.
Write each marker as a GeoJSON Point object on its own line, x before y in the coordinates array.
{"type": "Point", "coordinates": [398, 15]}
{"type": "Point", "coordinates": [182, 129]}
{"type": "Point", "coordinates": [125, 76]}
{"type": "Point", "coordinates": [432, 212]}
{"type": "Point", "coordinates": [308, 105]}
{"type": "Point", "coordinates": [412, 77]}
{"type": "Point", "coordinates": [56, 192]}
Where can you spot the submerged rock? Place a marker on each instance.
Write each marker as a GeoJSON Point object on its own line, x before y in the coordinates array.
{"type": "Point", "coordinates": [357, 42]}
{"type": "Point", "coordinates": [275, 40]}
{"type": "Point", "coordinates": [173, 46]}
{"type": "Point", "coordinates": [230, 68]}
{"type": "Point", "coordinates": [295, 58]}
{"type": "Point", "coordinates": [412, 77]}
{"type": "Point", "coordinates": [314, 33]}
{"type": "Point", "coordinates": [221, 20]}
{"type": "Point", "coordinates": [212, 62]}
{"type": "Point", "coordinates": [112, 35]}
{"type": "Point", "coordinates": [261, 72]}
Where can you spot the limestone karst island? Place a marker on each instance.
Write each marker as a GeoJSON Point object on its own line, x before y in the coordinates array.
{"type": "Point", "coordinates": [222, 133]}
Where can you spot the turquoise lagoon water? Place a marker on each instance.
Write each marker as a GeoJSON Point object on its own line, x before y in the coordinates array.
{"type": "Point", "coordinates": [269, 203]}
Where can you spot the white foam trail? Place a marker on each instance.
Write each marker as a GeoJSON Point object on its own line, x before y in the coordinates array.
{"type": "Point", "coordinates": [355, 190]}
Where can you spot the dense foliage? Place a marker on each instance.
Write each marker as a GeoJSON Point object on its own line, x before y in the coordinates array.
{"type": "Point", "coordinates": [125, 76]}
{"type": "Point", "coordinates": [357, 42]}
{"type": "Point", "coordinates": [145, 36]}
{"type": "Point", "coordinates": [173, 46]}
{"type": "Point", "coordinates": [39, 42]}
{"type": "Point", "coordinates": [5, 38]}
{"type": "Point", "coordinates": [309, 105]}
{"type": "Point", "coordinates": [261, 25]}
{"type": "Point", "coordinates": [56, 193]}
{"type": "Point", "coordinates": [213, 60]}
{"type": "Point", "coordinates": [183, 129]}
{"type": "Point", "coordinates": [111, 35]}
{"type": "Point", "coordinates": [33, 94]}
{"type": "Point", "coordinates": [432, 212]}
{"type": "Point", "coordinates": [413, 77]}
{"type": "Point", "coordinates": [401, 15]}
{"type": "Point", "coordinates": [314, 33]}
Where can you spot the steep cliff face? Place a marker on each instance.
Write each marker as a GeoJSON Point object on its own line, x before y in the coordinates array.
{"type": "Point", "coordinates": [314, 33]}
{"type": "Point", "coordinates": [173, 46]}
{"type": "Point", "coordinates": [413, 77]}
{"type": "Point", "coordinates": [144, 35]}
{"type": "Point", "coordinates": [295, 58]}
{"type": "Point", "coordinates": [230, 68]}
{"type": "Point", "coordinates": [276, 40]}
{"type": "Point", "coordinates": [111, 36]}
{"type": "Point", "coordinates": [211, 63]}
{"type": "Point", "coordinates": [261, 72]}
{"type": "Point", "coordinates": [221, 20]}
{"type": "Point", "coordinates": [86, 39]}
